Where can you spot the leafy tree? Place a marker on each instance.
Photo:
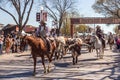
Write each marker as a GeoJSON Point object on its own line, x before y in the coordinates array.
{"type": "Point", "coordinates": [21, 7]}
{"type": "Point", "coordinates": [66, 22]}
{"type": "Point", "coordinates": [81, 28]}
{"type": "Point", "coordinates": [109, 8]}
{"type": "Point", "coordinates": [66, 27]}
{"type": "Point", "coordinates": [116, 30]}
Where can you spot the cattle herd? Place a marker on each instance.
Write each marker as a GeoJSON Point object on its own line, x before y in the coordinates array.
{"type": "Point", "coordinates": [60, 46]}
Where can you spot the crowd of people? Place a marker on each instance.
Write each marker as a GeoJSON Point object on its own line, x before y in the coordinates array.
{"type": "Point", "coordinates": [9, 43]}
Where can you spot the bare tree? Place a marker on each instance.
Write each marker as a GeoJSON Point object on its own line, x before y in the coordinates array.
{"type": "Point", "coordinates": [57, 10]}
{"type": "Point", "coordinates": [109, 8]}
{"type": "Point", "coordinates": [21, 7]}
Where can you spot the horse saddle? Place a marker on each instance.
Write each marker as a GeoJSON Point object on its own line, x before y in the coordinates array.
{"type": "Point", "coordinates": [47, 43]}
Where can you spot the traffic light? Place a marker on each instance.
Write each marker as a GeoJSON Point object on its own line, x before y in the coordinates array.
{"type": "Point", "coordinates": [37, 16]}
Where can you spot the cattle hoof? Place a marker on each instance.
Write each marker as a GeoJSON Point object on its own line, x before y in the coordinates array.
{"type": "Point", "coordinates": [73, 63]}
{"type": "Point", "coordinates": [45, 71]}
{"type": "Point", "coordinates": [34, 74]}
{"type": "Point", "coordinates": [98, 58]}
{"type": "Point", "coordinates": [48, 70]}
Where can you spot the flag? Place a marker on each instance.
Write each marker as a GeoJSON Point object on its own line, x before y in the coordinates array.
{"type": "Point", "coordinates": [45, 16]}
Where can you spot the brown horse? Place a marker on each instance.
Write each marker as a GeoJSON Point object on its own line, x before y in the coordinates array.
{"type": "Point", "coordinates": [39, 49]}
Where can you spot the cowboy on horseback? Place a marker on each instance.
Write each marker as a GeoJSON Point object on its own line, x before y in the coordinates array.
{"type": "Point", "coordinates": [100, 34]}
{"type": "Point", "coordinates": [42, 33]}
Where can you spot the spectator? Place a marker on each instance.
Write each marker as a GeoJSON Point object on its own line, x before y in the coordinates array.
{"type": "Point", "coordinates": [1, 44]}
{"type": "Point", "coordinates": [118, 43]}
{"type": "Point", "coordinates": [8, 43]}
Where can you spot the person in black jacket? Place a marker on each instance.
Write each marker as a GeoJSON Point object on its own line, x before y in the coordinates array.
{"type": "Point", "coordinates": [99, 32]}
{"type": "Point", "coordinates": [100, 35]}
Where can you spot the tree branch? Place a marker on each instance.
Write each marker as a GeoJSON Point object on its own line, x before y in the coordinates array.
{"type": "Point", "coordinates": [26, 3]}
{"type": "Point", "coordinates": [28, 14]}
{"type": "Point", "coordinates": [15, 6]}
{"type": "Point", "coordinates": [110, 11]}
{"type": "Point", "coordinates": [50, 9]}
{"type": "Point", "coordinates": [10, 15]}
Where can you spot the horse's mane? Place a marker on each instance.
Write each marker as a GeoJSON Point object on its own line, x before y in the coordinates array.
{"type": "Point", "coordinates": [34, 41]}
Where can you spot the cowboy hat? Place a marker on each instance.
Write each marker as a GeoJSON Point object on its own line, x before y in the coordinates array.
{"type": "Point", "coordinates": [98, 26]}
{"type": "Point", "coordinates": [42, 22]}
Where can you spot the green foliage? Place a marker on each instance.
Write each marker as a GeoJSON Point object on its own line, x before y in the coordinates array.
{"type": "Point", "coordinates": [81, 28]}
{"type": "Point", "coordinates": [66, 22]}
{"type": "Point", "coordinates": [66, 27]}
{"type": "Point", "coordinates": [115, 29]}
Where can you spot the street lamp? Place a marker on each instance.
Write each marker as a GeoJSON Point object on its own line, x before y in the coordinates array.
{"type": "Point", "coordinates": [41, 8]}
{"type": "Point", "coordinates": [41, 13]}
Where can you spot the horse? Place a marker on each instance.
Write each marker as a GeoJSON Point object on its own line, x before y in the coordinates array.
{"type": "Point", "coordinates": [110, 42]}
{"type": "Point", "coordinates": [39, 49]}
{"type": "Point", "coordinates": [99, 46]}
{"type": "Point", "coordinates": [74, 46]}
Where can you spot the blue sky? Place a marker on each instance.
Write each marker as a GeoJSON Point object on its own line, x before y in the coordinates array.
{"type": "Point", "coordinates": [84, 7]}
